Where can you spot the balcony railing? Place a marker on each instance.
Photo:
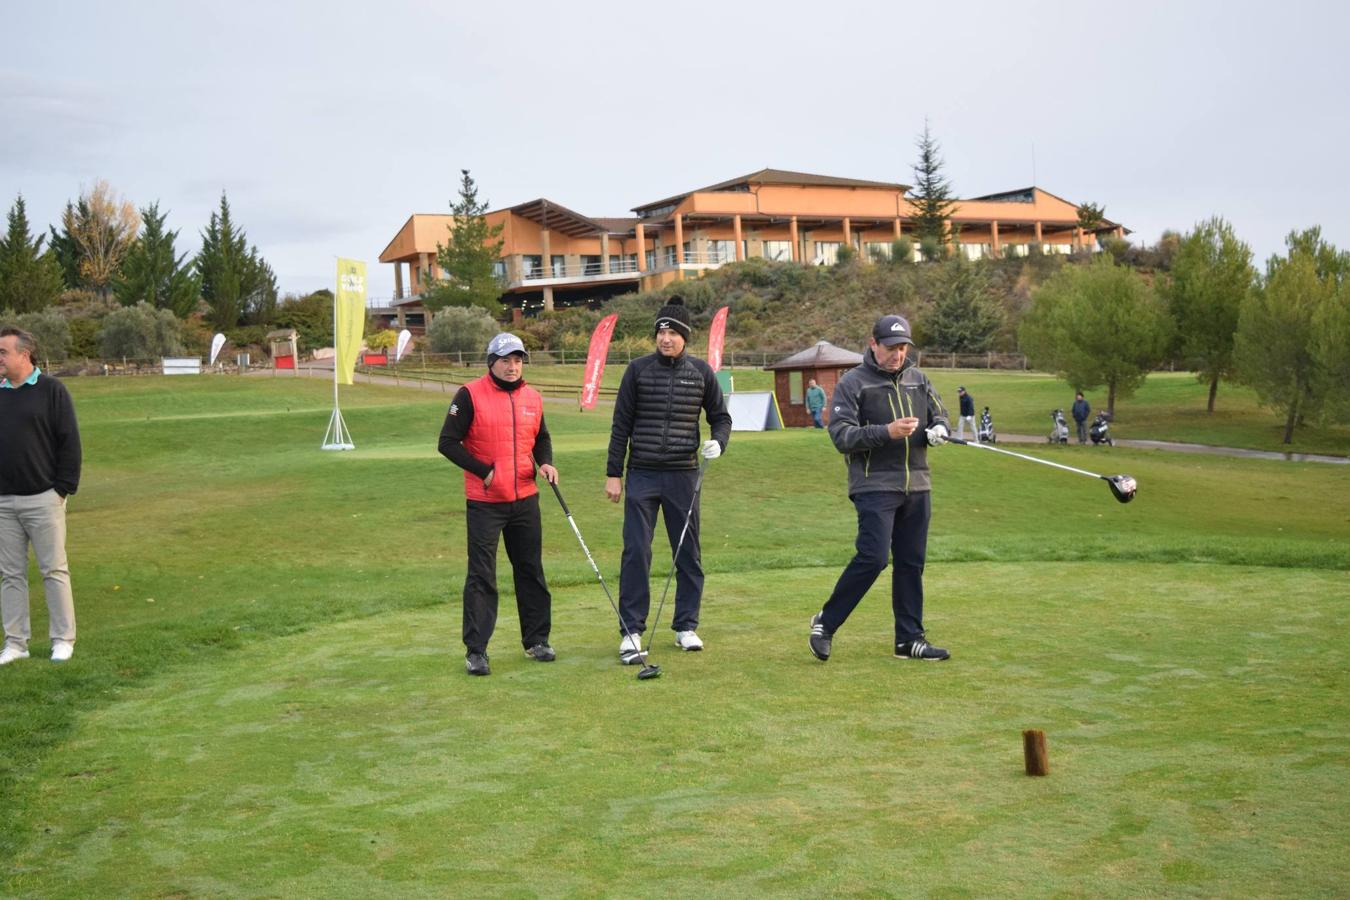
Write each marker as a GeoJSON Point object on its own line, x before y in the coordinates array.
{"type": "Point", "coordinates": [584, 270]}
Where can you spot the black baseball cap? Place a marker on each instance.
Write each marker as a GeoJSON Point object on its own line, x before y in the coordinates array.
{"type": "Point", "coordinates": [891, 330]}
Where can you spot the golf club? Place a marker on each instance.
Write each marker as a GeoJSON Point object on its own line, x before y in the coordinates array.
{"type": "Point", "coordinates": [675, 560]}
{"type": "Point", "coordinates": [648, 670]}
{"type": "Point", "coordinates": [1122, 486]}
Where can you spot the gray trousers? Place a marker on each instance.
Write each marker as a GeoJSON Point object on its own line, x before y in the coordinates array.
{"type": "Point", "coordinates": [961, 428]}
{"type": "Point", "coordinates": [39, 520]}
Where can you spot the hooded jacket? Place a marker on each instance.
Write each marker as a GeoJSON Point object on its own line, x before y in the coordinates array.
{"type": "Point", "coordinates": [866, 400]}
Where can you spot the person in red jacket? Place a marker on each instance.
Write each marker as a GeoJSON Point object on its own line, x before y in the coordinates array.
{"type": "Point", "coordinates": [495, 431]}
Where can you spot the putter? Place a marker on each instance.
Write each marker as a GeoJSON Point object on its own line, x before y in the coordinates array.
{"type": "Point", "coordinates": [648, 670]}
{"type": "Point", "coordinates": [674, 560]}
{"type": "Point", "coordinates": [1122, 486]}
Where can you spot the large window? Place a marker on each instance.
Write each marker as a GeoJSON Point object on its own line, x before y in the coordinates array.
{"type": "Point", "coordinates": [499, 270]}
{"type": "Point", "coordinates": [590, 265]}
{"type": "Point", "coordinates": [669, 254]}
{"type": "Point", "coordinates": [533, 266]}
{"type": "Point", "coordinates": [827, 253]}
{"type": "Point", "coordinates": [778, 251]}
{"type": "Point", "coordinates": [796, 391]}
{"type": "Point", "coordinates": [721, 251]}
{"type": "Point", "coordinates": [651, 260]}
{"type": "Point", "coordinates": [559, 263]}
{"type": "Point", "coordinates": [877, 250]}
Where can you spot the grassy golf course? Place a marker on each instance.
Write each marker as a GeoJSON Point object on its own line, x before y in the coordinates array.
{"type": "Point", "coordinates": [268, 695]}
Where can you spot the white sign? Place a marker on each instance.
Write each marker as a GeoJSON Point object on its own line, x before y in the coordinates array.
{"type": "Point", "coordinates": [404, 340]}
{"type": "Point", "coordinates": [216, 343]}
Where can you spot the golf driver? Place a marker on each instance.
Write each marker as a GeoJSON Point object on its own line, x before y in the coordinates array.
{"type": "Point", "coordinates": [648, 670]}
{"type": "Point", "coordinates": [675, 560]}
{"type": "Point", "coordinates": [1122, 486]}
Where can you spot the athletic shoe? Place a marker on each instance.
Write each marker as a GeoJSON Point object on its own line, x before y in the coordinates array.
{"type": "Point", "coordinates": [541, 653]}
{"type": "Point", "coordinates": [920, 649]}
{"type": "Point", "coordinates": [477, 664]}
{"type": "Point", "coordinates": [10, 654]}
{"type": "Point", "coordinates": [687, 640]}
{"type": "Point", "coordinates": [630, 650]}
{"type": "Point", "coordinates": [820, 639]}
{"type": "Point", "coordinates": [62, 650]}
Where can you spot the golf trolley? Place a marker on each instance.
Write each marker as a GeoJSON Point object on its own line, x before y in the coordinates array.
{"type": "Point", "coordinates": [1059, 434]}
{"type": "Point", "coordinates": [1100, 432]}
{"type": "Point", "coordinates": [985, 434]}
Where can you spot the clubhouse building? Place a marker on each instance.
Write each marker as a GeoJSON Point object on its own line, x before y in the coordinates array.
{"type": "Point", "coordinates": [553, 256]}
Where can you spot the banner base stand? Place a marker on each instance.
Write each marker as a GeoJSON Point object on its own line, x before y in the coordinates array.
{"type": "Point", "coordinates": [337, 437]}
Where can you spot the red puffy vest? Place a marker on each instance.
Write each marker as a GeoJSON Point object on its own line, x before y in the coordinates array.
{"type": "Point", "coordinates": [505, 424]}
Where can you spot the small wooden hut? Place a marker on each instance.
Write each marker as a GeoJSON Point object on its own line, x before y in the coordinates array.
{"type": "Point", "coordinates": [825, 363]}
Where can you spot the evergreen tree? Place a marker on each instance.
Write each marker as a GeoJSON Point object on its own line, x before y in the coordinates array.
{"type": "Point", "coordinates": [67, 252]}
{"type": "Point", "coordinates": [1211, 274]}
{"type": "Point", "coordinates": [965, 317]}
{"type": "Point", "coordinates": [1096, 324]}
{"type": "Point", "coordinates": [1090, 216]}
{"type": "Point", "coordinates": [152, 273]}
{"type": "Point", "coordinates": [933, 200]}
{"type": "Point", "coordinates": [30, 280]}
{"type": "Point", "coordinates": [469, 256]}
{"type": "Point", "coordinates": [235, 280]}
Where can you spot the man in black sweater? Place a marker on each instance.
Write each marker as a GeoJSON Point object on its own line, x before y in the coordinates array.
{"type": "Point", "coordinates": [656, 427]}
{"type": "Point", "coordinates": [39, 469]}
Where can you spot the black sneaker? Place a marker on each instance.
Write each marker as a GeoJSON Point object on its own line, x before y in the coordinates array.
{"type": "Point", "coordinates": [820, 639]}
{"type": "Point", "coordinates": [477, 664]}
{"type": "Point", "coordinates": [920, 649]}
{"type": "Point", "coordinates": [541, 653]}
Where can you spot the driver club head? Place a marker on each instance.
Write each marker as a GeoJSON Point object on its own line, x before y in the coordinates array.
{"type": "Point", "coordinates": [1123, 486]}
{"type": "Point", "coordinates": [649, 671]}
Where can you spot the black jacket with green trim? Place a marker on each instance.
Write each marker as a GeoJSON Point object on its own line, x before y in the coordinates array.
{"type": "Point", "coordinates": [866, 400]}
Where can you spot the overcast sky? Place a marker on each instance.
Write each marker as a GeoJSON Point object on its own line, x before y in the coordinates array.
{"type": "Point", "coordinates": [329, 123]}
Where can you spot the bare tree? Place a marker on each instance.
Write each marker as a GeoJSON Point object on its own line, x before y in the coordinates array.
{"type": "Point", "coordinates": [103, 226]}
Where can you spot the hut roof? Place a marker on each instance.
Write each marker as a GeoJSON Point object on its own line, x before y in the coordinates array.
{"type": "Point", "coordinates": [823, 355]}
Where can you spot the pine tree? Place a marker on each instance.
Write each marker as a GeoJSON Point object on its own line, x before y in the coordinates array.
{"type": "Point", "coordinates": [933, 201]}
{"type": "Point", "coordinates": [63, 246]}
{"type": "Point", "coordinates": [235, 280]}
{"type": "Point", "coordinates": [30, 280]}
{"type": "Point", "coordinates": [965, 317]}
{"type": "Point", "coordinates": [151, 273]}
{"type": "Point", "coordinates": [469, 256]}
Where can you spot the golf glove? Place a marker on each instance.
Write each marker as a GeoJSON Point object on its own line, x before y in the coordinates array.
{"type": "Point", "coordinates": [937, 435]}
{"type": "Point", "coordinates": [711, 449]}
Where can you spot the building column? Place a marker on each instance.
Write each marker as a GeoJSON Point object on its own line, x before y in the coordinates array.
{"type": "Point", "coordinates": [679, 239]}
{"type": "Point", "coordinates": [1120, 232]}
{"type": "Point", "coordinates": [898, 232]}
{"type": "Point", "coordinates": [548, 299]}
{"type": "Point", "coordinates": [546, 258]}
{"type": "Point", "coordinates": [736, 228]}
{"type": "Point", "coordinates": [1078, 237]}
{"type": "Point", "coordinates": [604, 254]}
{"type": "Point", "coordinates": [641, 247]}
{"type": "Point", "coordinates": [848, 234]}
{"type": "Point", "coordinates": [402, 317]}
{"type": "Point", "coordinates": [792, 233]}
{"type": "Point", "coordinates": [993, 232]}
{"type": "Point", "coordinates": [425, 273]}
{"type": "Point", "coordinates": [1038, 232]}
{"type": "Point", "coordinates": [398, 281]}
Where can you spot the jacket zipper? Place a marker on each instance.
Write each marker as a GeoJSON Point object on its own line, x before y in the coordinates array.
{"type": "Point", "coordinates": [515, 445]}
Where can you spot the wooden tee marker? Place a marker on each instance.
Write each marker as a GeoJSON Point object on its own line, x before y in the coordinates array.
{"type": "Point", "coordinates": [1033, 747]}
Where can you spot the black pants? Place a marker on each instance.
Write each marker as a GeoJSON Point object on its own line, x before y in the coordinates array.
{"type": "Point", "coordinates": [647, 491]}
{"type": "Point", "coordinates": [518, 523]}
{"type": "Point", "coordinates": [890, 524]}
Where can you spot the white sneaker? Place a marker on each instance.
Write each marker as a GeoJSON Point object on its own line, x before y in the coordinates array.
{"type": "Point", "coordinates": [630, 649]}
{"type": "Point", "coordinates": [62, 650]}
{"type": "Point", "coordinates": [687, 640]}
{"type": "Point", "coordinates": [10, 654]}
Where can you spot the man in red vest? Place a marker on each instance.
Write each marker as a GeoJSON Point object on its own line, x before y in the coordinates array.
{"type": "Point", "coordinates": [495, 431]}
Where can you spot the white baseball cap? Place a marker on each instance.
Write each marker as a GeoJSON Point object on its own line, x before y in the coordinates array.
{"type": "Point", "coordinates": [505, 344]}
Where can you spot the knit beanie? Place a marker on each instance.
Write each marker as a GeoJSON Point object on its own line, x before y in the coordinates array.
{"type": "Point", "coordinates": [675, 316]}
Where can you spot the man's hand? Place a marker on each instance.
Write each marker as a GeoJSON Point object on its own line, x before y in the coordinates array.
{"type": "Point", "coordinates": [487, 480]}
{"type": "Point", "coordinates": [711, 449]}
{"type": "Point", "coordinates": [549, 473]}
{"type": "Point", "coordinates": [937, 435]}
{"type": "Point", "coordinates": [903, 428]}
{"type": "Point", "coordinates": [614, 489]}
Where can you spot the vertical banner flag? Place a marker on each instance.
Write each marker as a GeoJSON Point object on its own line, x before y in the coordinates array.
{"type": "Point", "coordinates": [716, 335]}
{"type": "Point", "coordinates": [216, 343]}
{"type": "Point", "coordinates": [595, 360]}
{"type": "Point", "coordinates": [349, 317]}
{"type": "Point", "coordinates": [404, 339]}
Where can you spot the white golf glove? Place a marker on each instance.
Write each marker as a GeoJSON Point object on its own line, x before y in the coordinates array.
{"type": "Point", "coordinates": [711, 449]}
{"type": "Point", "coordinates": [937, 435]}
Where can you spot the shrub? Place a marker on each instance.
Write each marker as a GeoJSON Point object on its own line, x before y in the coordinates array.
{"type": "Point", "coordinates": [140, 332]}
{"type": "Point", "coordinates": [382, 340]}
{"type": "Point", "coordinates": [931, 248]}
{"type": "Point", "coordinates": [48, 327]}
{"type": "Point", "coordinates": [902, 252]}
{"type": "Point", "coordinates": [461, 329]}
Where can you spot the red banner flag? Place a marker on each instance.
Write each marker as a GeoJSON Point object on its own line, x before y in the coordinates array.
{"type": "Point", "coordinates": [595, 359]}
{"type": "Point", "coordinates": [716, 334]}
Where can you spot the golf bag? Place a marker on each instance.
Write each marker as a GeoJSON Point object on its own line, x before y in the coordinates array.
{"type": "Point", "coordinates": [986, 433]}
{"type": "Point", "coordinates": [1100, 432]}
{"type": "Point", "coordinates": [1059, 434]}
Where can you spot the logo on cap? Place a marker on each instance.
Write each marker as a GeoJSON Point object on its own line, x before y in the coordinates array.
{"type": "Point", "coordinates": [896, 326]}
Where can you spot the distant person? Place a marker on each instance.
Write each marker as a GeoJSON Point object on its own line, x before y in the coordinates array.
{"type": "Point", "coordinates": [495, 431]}
{"type": "Point", "coordinates": [656, 429]}
{"type": "Point", "coordinates": [815, 402]}
{"type": "Point", "coordinates": [884, 418]}
{"type": "Point", "coordinates": [1081, 411]}
{"type": "Point", "coordinates": [967, 415]}
{"type": "Point", "coordinates": [39, 468]}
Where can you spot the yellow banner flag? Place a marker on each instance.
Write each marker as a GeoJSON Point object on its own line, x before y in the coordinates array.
{"type": "Point", "coordinates": [349, 323]}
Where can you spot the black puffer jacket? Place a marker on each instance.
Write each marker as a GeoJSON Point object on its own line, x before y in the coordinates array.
{"type": "Point", "coordinates": [866, 400]}
{"type": "Point", "coordinates": [656, 414]}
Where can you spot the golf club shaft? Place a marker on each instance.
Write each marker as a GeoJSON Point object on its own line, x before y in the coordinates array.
{"type": "Point", "coordinates": [675, 560]}
{"type": "Point", "coordinates": [1044, 462]}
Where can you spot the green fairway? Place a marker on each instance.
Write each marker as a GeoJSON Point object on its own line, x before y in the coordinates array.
{"type": "Point", "coordinates": [268, 694]}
